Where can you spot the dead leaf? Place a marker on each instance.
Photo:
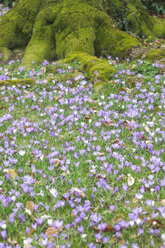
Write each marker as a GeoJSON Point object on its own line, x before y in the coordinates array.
{"type": "Point", "coordinates": [96, 209]}
{"type": "Point", "coordinates": [30, 205]}
{"type": "Point", "coordinates": [79, 192]}
{"type": "Point", "coordinates": [100, 154]}
{"type": "Point", "coordinates": [88, 117]}
{"type": "Point", "coordinates": [135, 200]}
{"type": "Point", "coordinates": [121, 242]}
{"type": "Point", "coordinates": [115, 141]}
{"type": "Point", "coordinates": [163, 202]}
{"type": "Point", "coordinates": [50, 75]}
{"type": "Point", "coordinates": [122, 89]}
{"type": "Point", "coordinates": [12, 173]}
{"type": "Point", "coordinates": [31, 232]}
{"type": "Point", "coordinates": [72, 213]}
{"type": "Point", "coordinates": [12, 242]}
{"type": "Point", "coordinates": [52, 230]}
{"type": "Point", "coordinates": [91, 101]}
{"type": "Point", "coordinates": [101, 176]}
{"type": "Point", "coordinates": [108, 228]}
{"type": "Point", "coordinates": [156, 223]}
{"type": "Point", "coordinates": [108, 124]}
{"type": "Point", "coordinates": [58, 98]}
{"type": "Point", "coordinates": [56, 162]}
{"type": "Point", "coordinates": [65, 173]}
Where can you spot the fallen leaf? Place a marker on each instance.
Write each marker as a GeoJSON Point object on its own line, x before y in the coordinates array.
{"type": "Point", "coordinates": [31, 231]}
{"type": "Point", "coordinates": [50, 75]}
{"type": "Point", "coordinates": [108, 124]}
{"type": "Point", "coordinates": [100, 154]}
{"type": "Point", "coordinates": [101, 176]}
{"type": "Point", "coordinates": [122, 89]}
{"type": "Point", "coordinates": [108, 228]}
{"type": "Point", "coordinates": [156, 223]}
{"type": "Point", "coordinates": [30, 205]}
{"type": "Point", "coordinates": [52, 230]}
{"type": "Point", "coordinates": [72, 213]}
{"type": "Point", "coordinates": [12, 242]}
{"type": "Point", "coordinates": [12, 173]}
{"type": "Point", "coordinates": [78, 191]}
{"type": "Point", "coordinates": [115, 141]}
{"type": "Point", "coordinates": [130, 180]}
{"type": "Point", "coordinates": [135, 200]}
{"type": "Point", "coordinates": [91, 101]}
{"type": "Point", "coordinates": [58, 98]}
{"type": "Point", "coordinates": [163, 202]}
{"type": "Point", "coordinates": [96, 209]}
{"type": "Point", "coordinates": [56, 162]}
{"type": "Point", "coordinates": [65, 173]}
{"type": "Point", "coordinates": [88, 117]}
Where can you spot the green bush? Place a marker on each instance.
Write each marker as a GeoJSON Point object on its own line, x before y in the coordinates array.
{"type": "Point", "coordinates": [157, 7]}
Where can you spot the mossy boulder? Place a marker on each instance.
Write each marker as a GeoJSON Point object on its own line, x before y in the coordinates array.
{"type": "Point", "coordinates": [5, 54]}
{"type": "Point", "coordinates": [97, 69]}
{"type": "Point", "coordinates": [155, 54]}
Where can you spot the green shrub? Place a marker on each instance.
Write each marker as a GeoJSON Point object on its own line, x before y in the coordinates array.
{"type": "Point", "coordinates": [156, 7]}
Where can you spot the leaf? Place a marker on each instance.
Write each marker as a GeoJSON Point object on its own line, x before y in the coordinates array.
{"type": "Point", "coordinates": [52, 230]}
{"type": "Point", "coordinates": [88, 117]}
{"type": "Point", "coordinates": [96, 209]}
{"type": "Point", "coordinates": [50, 75]}
{"type": "Point", "coordinates": [58, 98]}
{"type": "Point", "coordinates": [56, 162]}
{"type": "Point", "coordinates": [108, 228]}
{"type": "Point", "coordinates": [130, 180]}
{"type": "Point", "coordinates": [30, 205]}
{"type": "Point", "coordinates": [12, 242]}
{"type": "Point", "coordinates": [100, 154]}
{"type": "Point", "coordinates": [156, 223]}
{"type": "Point", "coordinates": [12, 173]}
{"type": "Point", "coordinates": [65, 173]}
{"type": "Point", "coordinates": [78, 191]}
{"type": "Point", "coordinates": [108, 124]}
{"type": "Point", "coordinates": [122, 89]}
{"type": "Point", "coordinates": [72, 213]}
{"type": "Point", "coordinates": [91, 101]}
{"type": "Point", "coordinates": [163, 202]}
{"type": "Point", "coordinates": [115, 141]}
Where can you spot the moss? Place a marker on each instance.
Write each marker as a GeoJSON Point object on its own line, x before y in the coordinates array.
{"type": "Point", "coordinates": [16, 26]}
{"type": "Point", "coordinates": [55, 29]}
{"type": "Point", "coordinates": [5, 53]}
{"type": "Point", "coordinates": [159, 27]}
{"type": "Point", "coordinates": [97, 69]}
{"type": "Point", "coordinates": [155, 54]}
{"type": "Point", "coordinates": [60, 31]}
{"type": "Point", "coordinates": [9, 82]}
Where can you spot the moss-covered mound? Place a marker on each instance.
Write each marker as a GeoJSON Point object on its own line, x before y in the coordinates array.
{"type": "Point", "coordinates": [57, 29]}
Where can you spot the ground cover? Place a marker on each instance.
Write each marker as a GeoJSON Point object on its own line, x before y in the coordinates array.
{"type": "Point", "coordinates": [78, 167]}
{"type": "Point", "coordinates": [81, 168]}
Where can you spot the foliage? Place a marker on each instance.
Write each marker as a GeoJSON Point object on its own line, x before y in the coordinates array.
{"type": "Point", "coordinates": [156, 7]}
{"type": "Point", "coordinates": [9, 3]}
{"type": "Point", "coordinates": [120, 15]}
